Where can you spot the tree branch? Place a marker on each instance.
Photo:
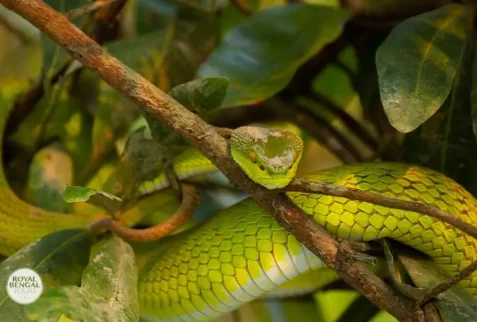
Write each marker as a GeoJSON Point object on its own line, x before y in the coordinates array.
{"type": "Point", "coordinates": [152, 100]}
{"type": "Point", "coordinates": [447, 284]}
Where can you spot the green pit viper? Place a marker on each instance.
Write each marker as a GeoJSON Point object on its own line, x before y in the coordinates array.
{"type": "Point", "coordinates": [241, 253]}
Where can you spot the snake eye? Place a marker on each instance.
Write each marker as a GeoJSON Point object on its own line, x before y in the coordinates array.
{"type": "Point", "coordinates": [253, 157]}
{"type": "Point", "coordinates": [262, 167]}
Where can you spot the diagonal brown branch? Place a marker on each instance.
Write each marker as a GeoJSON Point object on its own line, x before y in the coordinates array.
{"type": "Point", "coordinates": [151, 100]}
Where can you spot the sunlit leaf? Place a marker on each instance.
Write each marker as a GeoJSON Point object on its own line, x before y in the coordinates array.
{"type": "Point", "coordinates": [51, 170]}
{"type": "Point", "coordinates": [259, 56]}
{"type": "Point", "coordinates": [417, 64]}
{"type": "Point", "coordinates": [58, 258]}
{"type": "Point", "coordinates": [95, 197]}
{"type": "Point", "coordinates": [108, 290]}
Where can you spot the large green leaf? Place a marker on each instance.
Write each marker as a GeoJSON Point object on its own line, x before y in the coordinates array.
{"type": "Point", "coordinates": [108, 290]}
{"type": "Point", "coordinates": [259, 56]}
{"type": "Point", "coordinates": [417, 63]}
{"type": "Point", "coordinates": [446, 141]}
{"type": "Point", "coordinates": [58, 258]}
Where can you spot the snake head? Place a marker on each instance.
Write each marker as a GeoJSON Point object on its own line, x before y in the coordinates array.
{"type": "Point", "coordinates": [269, 157]}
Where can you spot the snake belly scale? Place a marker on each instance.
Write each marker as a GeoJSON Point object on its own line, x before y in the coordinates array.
{"type": "Point", "coordinates": [241, 253]}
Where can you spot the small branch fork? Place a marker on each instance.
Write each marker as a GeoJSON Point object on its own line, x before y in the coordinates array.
{"type": "Point", "coordinates": [152, 100]}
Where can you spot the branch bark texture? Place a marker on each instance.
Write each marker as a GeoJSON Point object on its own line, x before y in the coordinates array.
{"type": "Point", "coordinates": [151, 100]}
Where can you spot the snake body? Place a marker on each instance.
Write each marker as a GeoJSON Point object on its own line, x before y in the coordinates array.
{"type": "Point", "coordinates": [241, 253]}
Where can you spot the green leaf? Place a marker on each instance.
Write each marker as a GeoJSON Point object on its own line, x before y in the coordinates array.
{"type": "Point", "coordinates": [201, 96]}
{"type": "Point", "coordinates": [104, 179]}
{"type": "Point", "coordinates": [58, 258]}
{"type": "Point", "coordinates": [95, 197]}
{"type": "Point", "coordinates": [417, 64]}
{"type": "Point", "coordinates": [112, 278]}
{"type": "Point", "coordinates": [108, 290]}
{"type": "Point", "coordinates": [51, 170]}
{"type": "Point", "coordinates": [259, 56]}
{"type": "Point", "coordinates": [446, 142]}
{"type": "Point", "coordinates": [456, 304]}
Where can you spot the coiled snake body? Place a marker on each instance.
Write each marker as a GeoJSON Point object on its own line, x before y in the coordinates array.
{"type": "Point", "coordinates": [241, 253]}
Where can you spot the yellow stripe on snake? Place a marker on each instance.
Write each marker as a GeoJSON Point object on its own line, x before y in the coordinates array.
{"type": "Point", "coordinates": [241, 253]}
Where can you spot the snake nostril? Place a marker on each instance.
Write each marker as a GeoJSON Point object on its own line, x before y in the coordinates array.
{"type": "Point", "coordinates": [262, 167]}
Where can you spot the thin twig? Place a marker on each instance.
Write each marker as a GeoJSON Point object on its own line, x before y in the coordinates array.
{"type": "Point", "coordinates": [448, 283]}
{"type": "Point", "coordinates": [303, 185]}
{"type": "Point", "coordinates": [152, 100]}
{"type": "Point", "coordinates": [52, 104]}
{"type": "Point", "coordinates": [87, 9]}
{"type": "Point", "coordinates": [326, 134]}
{"type": "Point", "coordinates": [347, 119]}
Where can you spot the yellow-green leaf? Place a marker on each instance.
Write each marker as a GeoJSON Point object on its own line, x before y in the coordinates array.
{"type": "Point", "coordinates": [259, 56]}
{"type": "Point", "coordinates": [417, 63]}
